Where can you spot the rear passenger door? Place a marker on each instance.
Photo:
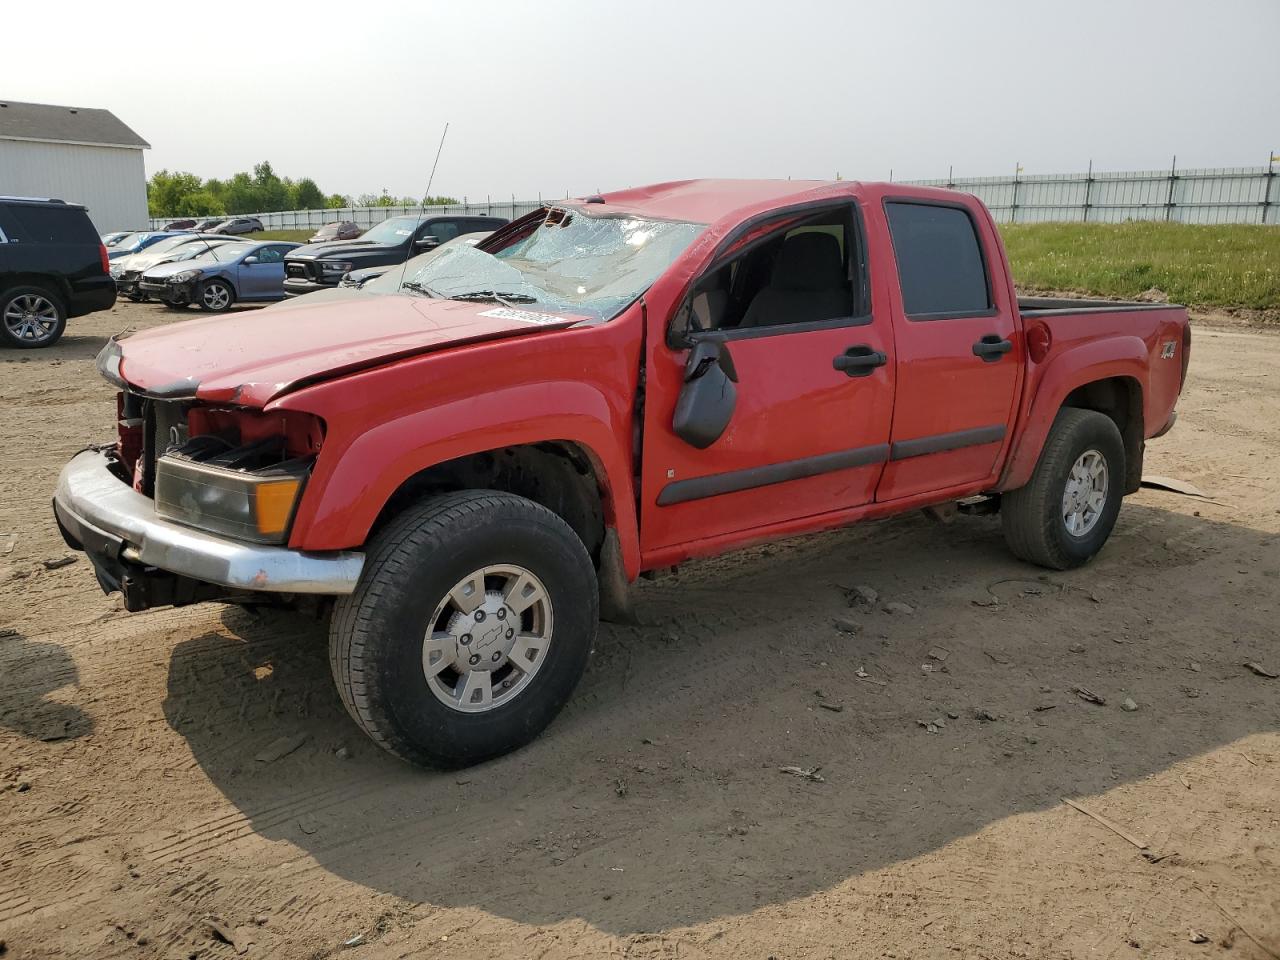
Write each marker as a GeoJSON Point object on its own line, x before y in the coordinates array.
{"type": "Point", "coordinates": [814, 394]}
{"type": "Point", "coordinates": [958, 350]}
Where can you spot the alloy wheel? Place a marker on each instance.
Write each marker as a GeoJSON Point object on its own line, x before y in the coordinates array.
{"type": "Point", "coordinates": [31, 317]}
{"type": "Point", "coordinates": [487, 638]}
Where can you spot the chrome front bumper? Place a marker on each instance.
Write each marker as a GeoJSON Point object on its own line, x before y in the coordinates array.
{"type": "Point", "coordinates": [115, 525]}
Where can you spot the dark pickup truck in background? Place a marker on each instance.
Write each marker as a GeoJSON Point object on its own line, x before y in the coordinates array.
{"type": "Point", "coordinates": [320, 266]}
{"type": "Point", "coordinates": [52, 266]}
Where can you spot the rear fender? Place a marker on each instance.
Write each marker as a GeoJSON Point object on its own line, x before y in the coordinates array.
{"type": "Point", "coordinates": [1073, 368]}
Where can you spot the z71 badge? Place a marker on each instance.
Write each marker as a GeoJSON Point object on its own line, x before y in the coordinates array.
{"type": "Point", "coordinates": [1168, 349]}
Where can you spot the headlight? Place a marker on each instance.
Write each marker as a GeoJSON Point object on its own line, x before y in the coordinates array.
{"type": "Point", "coordinates": [109, 363]}
{"type": "Point", "coordinates": [116, 270]}
{"type": "Point", "coordinates": [183, 277]}
{"type": "Point", "coordinates": [255, 505]}
{"type": "Point", "coordinates": [334, 266]}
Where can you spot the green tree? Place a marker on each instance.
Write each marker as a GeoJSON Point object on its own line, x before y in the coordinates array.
{"type": "Point", "coordinates": [306, 195]}
{"type": "Point", "coordinates": [202, 203]}
{"type": "Point", "coordinates": [336, 200]}
{"type": "Point", "coordinates": [167, 192]}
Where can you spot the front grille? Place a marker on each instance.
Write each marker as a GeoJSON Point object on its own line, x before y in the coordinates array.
{"type": "Point", "coordinates": [164, 425]}
{"type": "Point", "coordinates": [297, 270]}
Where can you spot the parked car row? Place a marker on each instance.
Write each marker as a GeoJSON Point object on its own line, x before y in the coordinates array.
{"type": "Point", "coordinates": [54, 266]}
{"type": "Point", "coordinates": [237, 226]}
{"type": "Point", "coordinates": [322, 265]}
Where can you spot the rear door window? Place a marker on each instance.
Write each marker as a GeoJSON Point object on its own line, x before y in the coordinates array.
{"type": "Point", "coordinates": [53, 224]}
{"type": "Point", "coordinates": [940, 263]}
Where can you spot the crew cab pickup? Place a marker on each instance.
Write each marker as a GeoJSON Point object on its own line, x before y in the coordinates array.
{"type": "Point", "coordinates": [464, 470]}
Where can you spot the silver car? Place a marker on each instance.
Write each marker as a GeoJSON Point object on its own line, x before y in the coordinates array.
{"type": "Point", "coordinates": [127, 271]}
{"type": "Point", "coordinates": [239, 271]}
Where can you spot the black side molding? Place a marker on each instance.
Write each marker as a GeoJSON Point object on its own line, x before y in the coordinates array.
{"type": "Point", "coordinates": [697, 488]}
{"type": "Point", "coordinates": [942, 442]}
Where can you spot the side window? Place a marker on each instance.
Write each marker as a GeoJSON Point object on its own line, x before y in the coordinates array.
{"type": "Point", "coordinates": [53, 224]}
{"type": "Point", "coordinates": [270, 255]}
{"type": "Point", "coordinates": [442, 230]}
{"type": "Point", "coordinates": [940, 264]}
{"type": "Point", "coordinates": [806, 271]}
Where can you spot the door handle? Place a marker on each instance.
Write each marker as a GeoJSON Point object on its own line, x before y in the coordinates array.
{"type": "Point", "coordinates": [992, 347]}
{"type": "Point", "coordinates": [859, 361]}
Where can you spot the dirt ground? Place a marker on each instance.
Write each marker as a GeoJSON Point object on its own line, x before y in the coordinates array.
{"type": "Point", "coordinates": [653, 819]}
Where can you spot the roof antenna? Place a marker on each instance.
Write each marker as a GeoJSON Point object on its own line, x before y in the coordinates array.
{"type": "Point", "coordinates": [422, 209]}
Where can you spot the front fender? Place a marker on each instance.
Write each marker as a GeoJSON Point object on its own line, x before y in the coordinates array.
{"type": "Point", "coordinates": [351, 485]}
{"type": "Point", "coordinates": [1125, 356]}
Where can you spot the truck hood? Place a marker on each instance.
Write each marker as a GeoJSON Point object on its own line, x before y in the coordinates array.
{"type": "Point", "coordinates": [330, 249]}
{"type": "Point", "coordinates": [250, 357]}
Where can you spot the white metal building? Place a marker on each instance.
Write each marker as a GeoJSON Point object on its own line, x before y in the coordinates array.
{"type": "Point", "coordinates": [76, 154]}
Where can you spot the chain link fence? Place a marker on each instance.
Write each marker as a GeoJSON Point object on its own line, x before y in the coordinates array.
{"type": "Point", "coordinates": [1215, 195]}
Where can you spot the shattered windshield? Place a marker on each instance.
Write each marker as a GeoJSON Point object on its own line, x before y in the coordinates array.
{"type": "Point", "coordinates": [585, 265]}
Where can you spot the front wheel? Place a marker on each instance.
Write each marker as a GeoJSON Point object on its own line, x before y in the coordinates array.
{"type": "Point", "coordinates": [1065, 513]}
{"type": "Point", "coordinates": [216, 296]}
{"type": "Point", "coordinates": [470, 627]}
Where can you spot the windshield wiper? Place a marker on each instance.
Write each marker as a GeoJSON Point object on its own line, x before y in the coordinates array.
{"type": "Point", "coordinates": [485, 296]}
{"type": "Point", "coordinates": [417, 287]}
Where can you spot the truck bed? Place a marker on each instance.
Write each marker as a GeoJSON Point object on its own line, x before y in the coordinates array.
{"type": "Point", "coordinates": [1056, 306]}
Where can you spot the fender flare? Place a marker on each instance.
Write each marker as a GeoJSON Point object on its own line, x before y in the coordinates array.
{"type": "Point", "coordinates": [349, 488]}
{"type": "Point", "coordinates": [1115, 357]}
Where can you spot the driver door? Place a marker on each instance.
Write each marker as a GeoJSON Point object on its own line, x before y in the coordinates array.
{"type": "Point", "coordinates": [809, 430]}
{"type": "Point", "coordinates": [264, 279]}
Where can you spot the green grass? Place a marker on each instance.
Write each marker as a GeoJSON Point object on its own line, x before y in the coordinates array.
{"type": "Point", "coordinates": [1202, 266]}
{"type": "Point", "coordinates": [296, 236]}
{"type": "Point", "coordinates": [1206, 266]}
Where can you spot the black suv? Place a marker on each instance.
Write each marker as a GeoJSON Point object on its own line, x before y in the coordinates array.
{"type": "Point", "coordinates": [319, 266]}
{"type": "Point", "coordinates": [52, 266]}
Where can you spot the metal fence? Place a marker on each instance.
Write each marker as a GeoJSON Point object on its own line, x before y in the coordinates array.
{"type": "Point", "coordinates": [1217, 195]}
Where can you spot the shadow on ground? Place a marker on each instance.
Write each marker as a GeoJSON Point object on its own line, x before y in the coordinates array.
{"type": "Point", "coordinates": [657, 800]}
{"type": "Point", "coordinates": [29, 672]}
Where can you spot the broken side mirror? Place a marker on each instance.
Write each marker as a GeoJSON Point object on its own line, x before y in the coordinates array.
{"type": "Point", "coordinates": [705, 405]}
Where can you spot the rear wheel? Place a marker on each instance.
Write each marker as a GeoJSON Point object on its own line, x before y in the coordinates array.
{"type": "Point", "coordinates": [31, 317]}
{"type": "Point", "coordinates": [470, 627]}
{"type": "Point", "coordinates": [1066, 512]}
{"type": "Point", "coordinates": [216, 296]}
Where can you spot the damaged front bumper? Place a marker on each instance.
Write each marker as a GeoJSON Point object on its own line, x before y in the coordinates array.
{"type": "Point", "coordinates": [169, 292]}
{"type": "Point", "coordinates": [155, 562]}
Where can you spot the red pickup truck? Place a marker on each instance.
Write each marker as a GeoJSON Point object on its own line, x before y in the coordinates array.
{"type": "Point", "coordinates": [465, 466]}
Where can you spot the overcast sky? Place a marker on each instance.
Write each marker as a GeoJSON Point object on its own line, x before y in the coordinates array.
{"type": "Point", "coordinates": [572, 95]}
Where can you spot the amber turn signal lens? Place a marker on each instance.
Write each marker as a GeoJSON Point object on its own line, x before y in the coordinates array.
{"type": "Point", "coordinates": [275, 500]}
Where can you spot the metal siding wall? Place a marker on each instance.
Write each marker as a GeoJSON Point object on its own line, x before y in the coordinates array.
{"type": "Point", "coordinates": [110, 181]}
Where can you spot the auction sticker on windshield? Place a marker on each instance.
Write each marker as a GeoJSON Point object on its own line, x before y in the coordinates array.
{"type": "Point", "coordinates": [525, 316]}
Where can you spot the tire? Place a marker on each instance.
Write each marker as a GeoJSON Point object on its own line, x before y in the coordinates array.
{"type": "Point", "coordinates": [216, 296]}
{"type": "Point", "coordinates": [1040, 526]}
{"type": "Point", "coordinates": [31, 317]}
{"type": "Point", "coordinates": [404, 688]}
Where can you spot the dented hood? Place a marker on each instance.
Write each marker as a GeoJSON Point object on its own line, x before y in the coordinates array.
{"type": "Point", "coordinates": [252, 356]}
